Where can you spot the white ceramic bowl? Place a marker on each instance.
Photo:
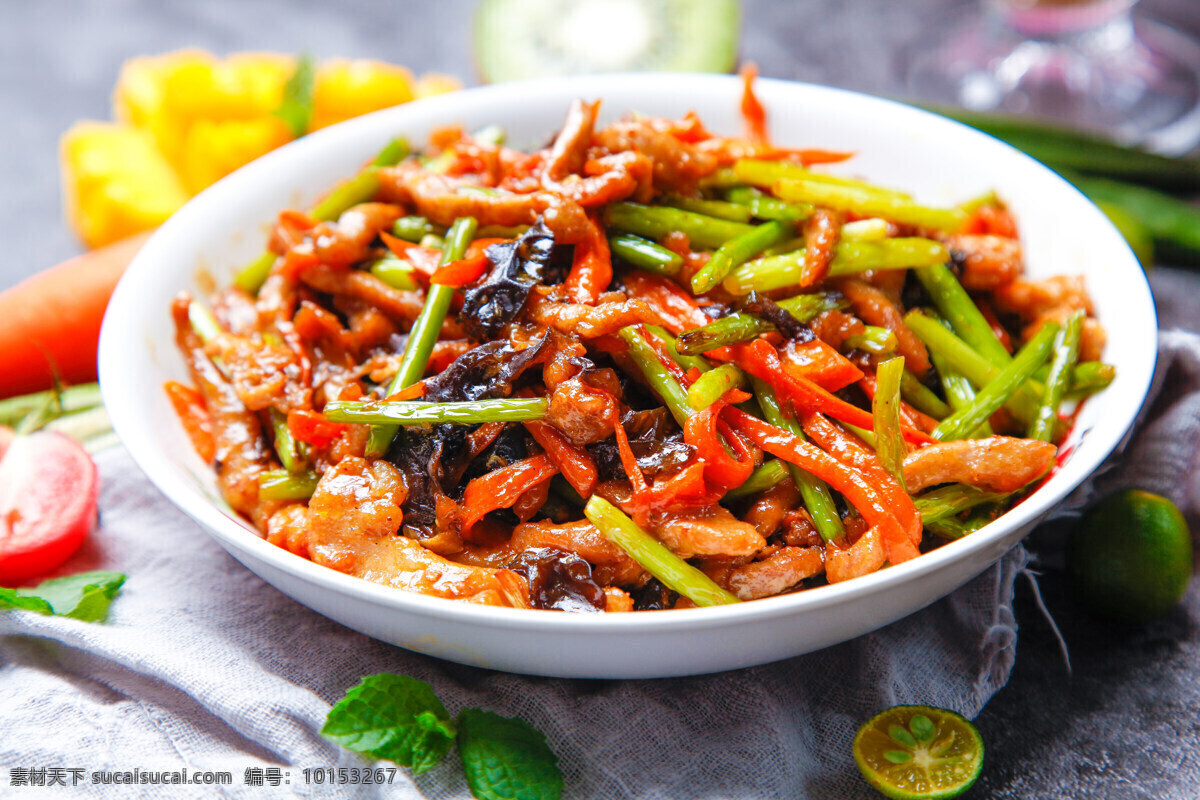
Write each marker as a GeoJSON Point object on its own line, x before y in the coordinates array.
{"type": "Point", "coordinates": [938, 160]}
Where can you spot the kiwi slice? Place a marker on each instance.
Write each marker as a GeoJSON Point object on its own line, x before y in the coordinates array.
{"type": "Point", "coordinates": [518, 39]}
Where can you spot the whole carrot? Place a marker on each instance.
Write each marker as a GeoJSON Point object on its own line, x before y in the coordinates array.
{"type": "Point", "coordinates": [54, 318]}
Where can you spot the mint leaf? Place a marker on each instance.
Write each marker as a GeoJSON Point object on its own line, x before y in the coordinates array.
{"type": "Point", "coordinates": [85, 596]}
{"type": "Point", "coordinates": [296, 110]}
{"type": "Point", "coordinates": [393, 717]}
{"type": "Point", "coordinates": [506, 759]}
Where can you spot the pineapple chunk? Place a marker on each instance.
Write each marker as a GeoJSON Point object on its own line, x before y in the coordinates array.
{"type": "Point", "coordinates": [344, 89]}
{"type": "Point", "coordinates": [214, 148]}
{"type": "Point", "coordinates": [115, 182]}
{"type": "Point", "coordinates": [434, 83]}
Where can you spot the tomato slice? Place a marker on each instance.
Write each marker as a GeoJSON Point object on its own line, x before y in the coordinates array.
{"type": "Point", "coordinates": [48, 489]}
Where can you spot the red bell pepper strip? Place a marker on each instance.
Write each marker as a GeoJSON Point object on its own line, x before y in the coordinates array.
{"type": "Point", "coordinates": [311, 427]}
{"type": "Point", "coordinates": [425, 259]}
{"type": "Point", "coordinates": [703, 431]}
{"type": "Point", "coordinates": [575, 463]}
{"type": "Point", "coordinates": [686, 488]}
{"type": "Point", "coordinates": [591, 271]}
{"type": "Point", "coordinates": [821, 364]}
{"type": "Point", "coordinates": [852, 453]}
{"type": "Point", "coordinates": [502, 488]}
{"type": "Point", "coordinates": [417, 390]}
{"type": "Point", "coordinates": [461, 272]}
{"type": "Point", "coordinates": [762, 361]}
{"type": "Point", "coordinates": [193, 414]}
{"type": "Point", "coordinates": [861, 493]}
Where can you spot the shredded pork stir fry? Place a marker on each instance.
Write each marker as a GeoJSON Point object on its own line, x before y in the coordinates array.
{"type": "Point", "coordinates": [645, 367]}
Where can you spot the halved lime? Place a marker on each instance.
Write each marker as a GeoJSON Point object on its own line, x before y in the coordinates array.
{"type": "Point", "coordinates": [919, 753]}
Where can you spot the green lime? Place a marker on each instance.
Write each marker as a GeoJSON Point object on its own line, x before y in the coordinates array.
{"type": "Point", "coordinates": [1130, 557]}
{"type": "Point", "coordinates": [919, 753]}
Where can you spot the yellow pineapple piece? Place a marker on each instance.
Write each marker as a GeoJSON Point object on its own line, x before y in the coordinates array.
{"type": "Point", "coordinates": [434, 83]}
{"type": "Point", "coordinates": [214, 148]}
{"type": "Point", "coordinates": [115, 182]}
{"type": "Point", "coordinates": [343, 89]}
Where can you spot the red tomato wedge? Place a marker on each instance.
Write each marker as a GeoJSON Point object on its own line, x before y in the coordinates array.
{"type": "Point", "coordinates": [48, 489]}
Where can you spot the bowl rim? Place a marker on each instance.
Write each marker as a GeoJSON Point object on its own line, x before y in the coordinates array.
{"type": "Point", "coordinates": [120, 397]}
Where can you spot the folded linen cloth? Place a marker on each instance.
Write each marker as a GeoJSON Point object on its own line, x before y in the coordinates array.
{"type": "Point", "coordinates": [202, 665]}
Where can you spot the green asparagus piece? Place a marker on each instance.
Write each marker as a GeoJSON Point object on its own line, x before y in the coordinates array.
{"type": "Point", "coordinates": [738, 251]}
{"type": "Point", "coordinates": [713, 385]}
{"type": "Point", "coordinates": [395, 272]}
{"type": "Point", "coordinates": [291, 452]}
{"type": "Point", "coordinates": [815, 492]}
{"type": "Point", "coordinates": [661, 382]}
{"type": "Point", "coordinates": [1066, 353]}
{"type": "Point", "coordinates": [921, 397]}
{"type": "Point", "coordinates": [873, 339]}
{"type": "Point", "coordinates": [203, 321]}
{"type": "Point", "coordinates": [424, 331]}
{"type": "Point", "coordinates": [954, 528]}
{"type": "Point", "coordinates": [766, 475]}
{"type": "Point", "coordinates": [412, 229]}
{"type": "Point", "coordinates": [394, 413]}
{"type": "Point", "coordinates": [777, 272]}
{"type": "Point", "coordinates": [885, 414]}
{"type": "Point", "coordinates": [948, 501]}
{"type": "Point", "coordinates": [958, 390]}
{"type": "Point", "coordinates": [869, 203]}
{"type": "Point", "coordinates": [867, 230]}
{"type": "Point", "coordinates": [722, 178]}
{"type": "Point", "coordinates": [710, 208]}
{"type": "Point", "coordinates": [645, 254]}
{"type": "Point", "coordinates": [70, 399]}
{"type": "Point", "coordinates": [357, 190]}
{"type": "Point", "coordinates": [670, 569]}
{"type": "Point", "coordinates": [961, 312]}
{"type": "Point", "coordinates": [963, 359]}
{"type": "Point", "coordinates": [739, 327]}
{"type": "Point", "coordinates": [655, 222]}
{"type": "Point", "coordinates": [684, 360]}
{"type": "Point", "coordinates": [279, 484]}
{"type": "Point", "coordinates": [764, 206]}
{"type": "Point", "coordinates": [1087, 377]}
{"type": "Point", "coordinates": [991, 397]}
{"type": "Point", "coordinates": [767, 174]}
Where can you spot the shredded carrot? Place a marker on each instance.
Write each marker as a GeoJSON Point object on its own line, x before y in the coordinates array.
{"type": "Point", "coordinates": [752, 110]}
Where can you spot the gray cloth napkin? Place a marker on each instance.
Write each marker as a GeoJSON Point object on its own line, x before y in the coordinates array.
{"type": "Point", "coordinates": [202, 665]}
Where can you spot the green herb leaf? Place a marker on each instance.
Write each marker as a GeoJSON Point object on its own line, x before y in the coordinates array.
{"type": "Point", "coordinates": [394, 717]}
{"type": "Point", "coordinates": [506, 759]}
{"type": "Point", "coordinates": [296, 110]}
{"type": "Point", "coordinates": [85, 596]}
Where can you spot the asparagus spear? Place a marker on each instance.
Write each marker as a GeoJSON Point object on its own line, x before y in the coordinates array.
{"type": "Point", "coordinates": [738, 251]}
{"type": "Point", "coordinates": [1066, 353]}
{"type": "Point", "coordinates": [645, 254]}
{"type": "Point", "coordinates": [424, 331]}
{"type": "Point", "coordinates": [394, 413]}
{"type": "Point", "coordinates": [655, 222]}
{"type": "Point", "coordinates": [670, 569]}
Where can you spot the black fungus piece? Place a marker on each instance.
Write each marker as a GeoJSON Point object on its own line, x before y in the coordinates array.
{"type": "Point", "coordinates": [653, 596]}
{"type": "Point", "coordinates": [517, 267]}
{"type": "Point", "coordinates": [432, 459]}
{"type": "Point", "coordinates": [509, 445]}
{"type": "Point", "coordinates": [483, 372]}
{"type": "Point", "coordinates": [558, 580]}
{"type": "Point", "coordinates": [656, 442]}
{"type": "Point", "coordinates": [765, 308]}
